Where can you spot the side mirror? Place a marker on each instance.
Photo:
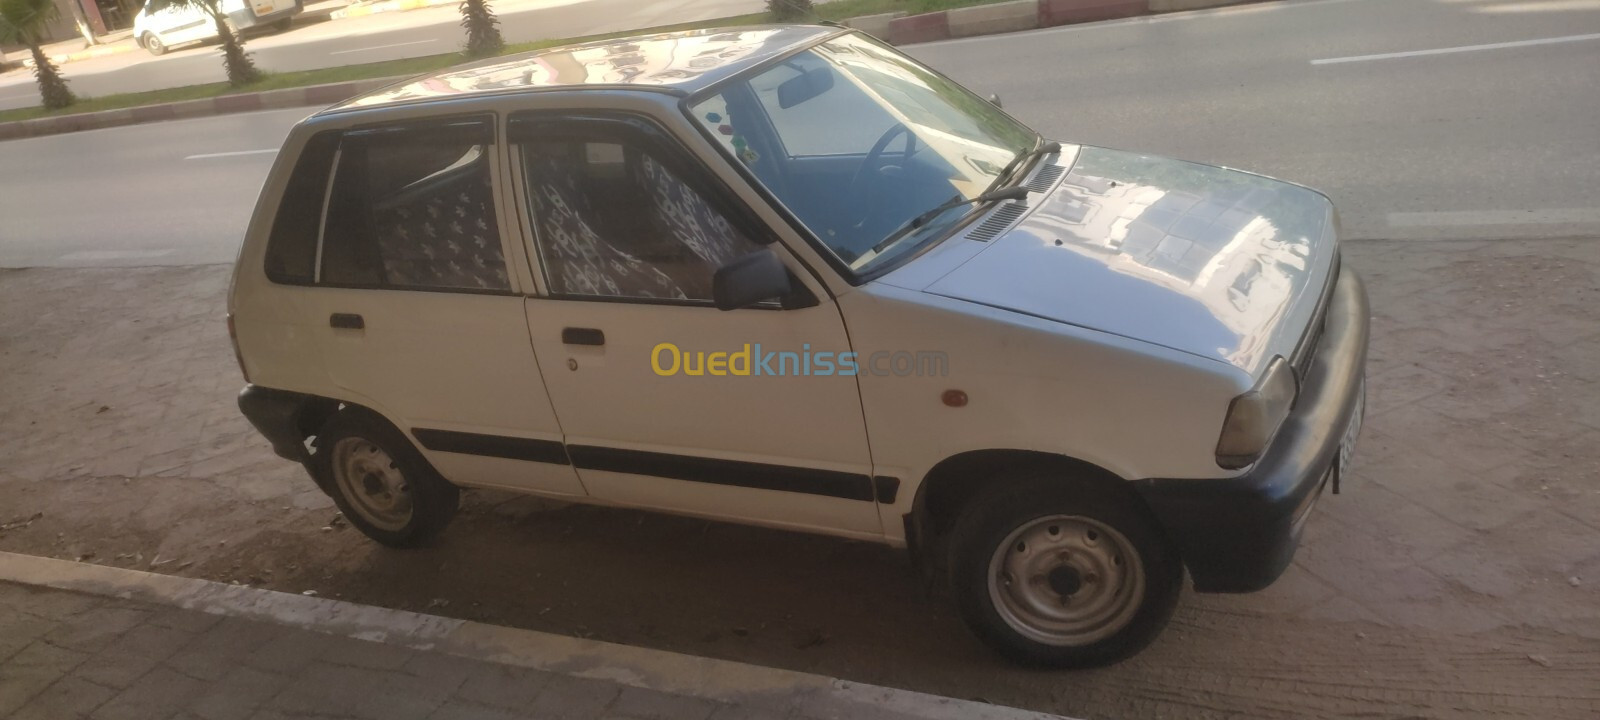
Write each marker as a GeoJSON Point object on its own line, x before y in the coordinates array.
{"type": "Point", "coordinates": [995, 98]}
{"type": "Point", "coordinates": [804, 86]}
{"type": "Point", "coordinates": [751, 279]}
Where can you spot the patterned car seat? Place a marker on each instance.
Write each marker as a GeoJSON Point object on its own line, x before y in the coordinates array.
{"type": "Point", "coordinates": [441, 233]}
{"type": "Point", "coordinates": [578, 260]}
{"type": "Point", "coordinates": [683, 214]}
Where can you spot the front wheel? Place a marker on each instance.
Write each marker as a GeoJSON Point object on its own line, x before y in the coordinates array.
{"type": "Point", "coordinates": [381, 483]}
{"type": "Point", "coordinates": [1054, 572]}
{"type": "Point", "coordinates": [153, 44]}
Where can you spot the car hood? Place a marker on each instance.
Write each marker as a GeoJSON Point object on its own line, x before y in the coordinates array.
{"type": "Point", "coordinates": [1215, 262]}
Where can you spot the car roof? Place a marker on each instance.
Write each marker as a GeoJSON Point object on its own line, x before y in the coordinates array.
{"type": "Point", "coordinates": [679, 62]}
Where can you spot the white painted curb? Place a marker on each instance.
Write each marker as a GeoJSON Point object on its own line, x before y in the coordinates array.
{"type": "Point", "coordinates": [717, 680]}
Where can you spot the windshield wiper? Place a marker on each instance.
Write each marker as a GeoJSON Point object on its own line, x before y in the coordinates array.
{"type": "Point", "coordinates": [1010, 193]}
{"type": "Point", "coordinates": [1043, 148]}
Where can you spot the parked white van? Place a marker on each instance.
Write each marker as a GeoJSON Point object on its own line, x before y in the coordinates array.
{"type": "Point", "coordinates": [788, 276]}
{"type": "Point", "coordinates": [164, 24]}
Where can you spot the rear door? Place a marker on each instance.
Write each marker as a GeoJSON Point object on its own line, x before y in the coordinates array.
{"type": "Point", "coordinates": [415, 310]}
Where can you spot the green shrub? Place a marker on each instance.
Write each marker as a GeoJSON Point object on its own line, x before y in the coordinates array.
{"type": "Point", "coordinates": [791, 10]}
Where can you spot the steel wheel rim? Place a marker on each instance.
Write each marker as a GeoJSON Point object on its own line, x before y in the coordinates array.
{"type": "Point", "coordinates": [154, 43]}
{"type": "Point", "coordinates": [1066, 580]}
{"type": "Point", "coordinates": [374, 485]}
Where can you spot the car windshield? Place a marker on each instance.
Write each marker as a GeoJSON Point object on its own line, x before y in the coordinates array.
{"type": "Point", "coordinates": [857, 140]}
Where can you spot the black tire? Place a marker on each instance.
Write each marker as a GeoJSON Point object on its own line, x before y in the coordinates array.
{"type": "Point", "coordinates": [152, 43]}
{"type": "Point", "coordinates": [283, 25]}
{"type": "Point", "coordinates": [432, 499]}
{"type": "Point", "coordinates": [1078, 513]}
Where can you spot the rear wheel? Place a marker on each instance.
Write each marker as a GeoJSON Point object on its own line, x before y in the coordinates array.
{"type": "Point", "coordinates": [1050, 571]}
{"type": "Point", "coordinates": [282, 25]}
{"type": "Point", "coordinates": [385, 488]}
{"type": "Point", "coordinates": [152, 43]}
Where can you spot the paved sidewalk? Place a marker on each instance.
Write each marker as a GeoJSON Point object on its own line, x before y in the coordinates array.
{"type": "Point", "coordinates": [1457, 576]}
{"type": "Point", "coordinates": [137, 646]}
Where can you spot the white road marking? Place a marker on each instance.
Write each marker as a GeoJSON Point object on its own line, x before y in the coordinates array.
{"type": "Point", "coordinates": [1459, 49]}
{"type": "Point", "coordinates": [117, 254]}
{"type": "Point", "coordinates": [236, 153]}
{"type": "Point", "coordinates": [1550, 216]}
{"type": "Point", "coordinates": [383, 47]}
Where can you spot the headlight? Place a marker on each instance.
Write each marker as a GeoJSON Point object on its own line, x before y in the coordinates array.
{"type": "Point", "coordinates": [1254, 417]}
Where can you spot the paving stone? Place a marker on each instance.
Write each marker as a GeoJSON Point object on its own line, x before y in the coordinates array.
{"type": "Point", "coordinates": [573, 697]}
{"type": "Point", "coordinates": [187, 620]}
{"type": "Point", "coordinates": [361, 653]}
{"type": "Point", "coordinates": [456, 710]}
{"type": "Point", "coordinates": [238, 694]}
{"type": "Point", "coordinates": [69, 698]}
{"type": "Point", "coordinates": [95, 628]}
{"type": "Point", "coordinates": [160, 693]}
{"type": "Point", "coordinates": [230, 642]}
{"type": "Point", "coordinates": [504, 687]}
{"type": "Point", "coordinates": [291, 652]}
{"type": "Point", "coordinates": [47, 605]}
{"type": "Point", "coordinates": [644, 704]}
{"type": "Point", "coordinates": [133, 654]}
{"type": "Point", "coordinates": [32, 669]}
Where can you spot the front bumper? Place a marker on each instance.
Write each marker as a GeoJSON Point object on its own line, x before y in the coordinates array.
{"type": "Point", "coordinates": [1239, 534]}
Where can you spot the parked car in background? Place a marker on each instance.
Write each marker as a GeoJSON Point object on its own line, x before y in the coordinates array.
{"type": "Point", "coordinates": [164, 24]}
{"type": "Point", "coordinates": [791, 277]}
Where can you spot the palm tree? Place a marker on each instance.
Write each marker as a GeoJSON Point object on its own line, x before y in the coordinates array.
{"type": "Point", "coordinates": [483, 32]}
{"type": "Point", "coordinates": [241, 69]}
{"type": "Point", "coordinates": [24, 21]}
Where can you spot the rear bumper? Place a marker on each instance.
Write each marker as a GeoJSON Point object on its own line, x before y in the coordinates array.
{"type": "Point", "coordinates": [276, 415]}
{"type": "Point", "coordinates": [246, 18]}
{"type": "Point", "coordinates": [1239, 534]}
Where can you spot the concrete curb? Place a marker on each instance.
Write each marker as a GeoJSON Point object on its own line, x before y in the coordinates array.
{"type": "Point", "coordinates": [308, 96]}
{"type": "Point", "coordinates": [707, 678]}
{"type": "Point", "coordinates": [383, 6]}
{"type": "Point", "coordinates": [112, 48]}
{"type": "Point", "coordinates": [896, 28]}
{"type": "Point", "coordinates": [1015, 16]}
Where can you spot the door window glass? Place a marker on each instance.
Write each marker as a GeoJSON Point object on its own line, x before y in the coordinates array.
{"type": "Point", "coordinates": [612, 220]}
{"type": "Point", "coordinates": [414, 209]}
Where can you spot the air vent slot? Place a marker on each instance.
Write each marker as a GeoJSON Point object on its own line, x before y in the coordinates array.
{"type": "Point", "coordinates": [1045, 178]}
{"type": "Point", "coordinates": [997, 222]}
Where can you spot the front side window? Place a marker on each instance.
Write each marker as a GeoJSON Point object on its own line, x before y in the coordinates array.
{"type": "Point", "coordinates": [856, 140]}
{"type": "Point", "coordinates": [413, 208]}
{"type": "Point", "coordinates": [612, 220]}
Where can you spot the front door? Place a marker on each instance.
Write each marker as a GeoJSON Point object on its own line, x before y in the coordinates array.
{"type": "Point", "coordinates": [667, 402]}
{"type": "Point", "coordinates": [417, 314]}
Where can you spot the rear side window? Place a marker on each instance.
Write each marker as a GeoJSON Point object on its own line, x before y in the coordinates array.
{"type": "Point", "coordinates": [409, 207]}
{"type": "Point", "coordinates": [292, 246]}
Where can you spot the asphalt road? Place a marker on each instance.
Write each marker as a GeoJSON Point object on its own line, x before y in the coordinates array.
{"type": "Point", "coordinates": [386, 36]}
{"type": "Point", "coordinates": [1498, 142]}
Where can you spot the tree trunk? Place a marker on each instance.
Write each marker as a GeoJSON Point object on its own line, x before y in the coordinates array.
{"type": "Point", "coordinates": [52, 89]}
{"type": "Point", "coordinates": [241, 69]}
{"type": "Point", "coordinates": [81, 19]}
{"type": "Point", "coordinates": [483, 32]}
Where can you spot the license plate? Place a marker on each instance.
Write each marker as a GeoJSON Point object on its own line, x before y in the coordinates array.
{"type": "Point", "coordinates": [1347, 446]}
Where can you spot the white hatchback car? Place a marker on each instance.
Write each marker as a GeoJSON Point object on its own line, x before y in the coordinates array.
{"type": "Point", "coordinates": [788, 276]}
{"type": "Point", "coordinates": [162, 25]}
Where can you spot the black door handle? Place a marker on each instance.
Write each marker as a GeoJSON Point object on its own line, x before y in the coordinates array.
{"type": "Point", "coordinates": [346, 321]}
{"type": "Point", "coordinates": [582, 336]}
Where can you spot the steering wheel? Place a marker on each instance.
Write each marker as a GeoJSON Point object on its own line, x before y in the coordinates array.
{"type": "Point", "coordinates": [859, 192]}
